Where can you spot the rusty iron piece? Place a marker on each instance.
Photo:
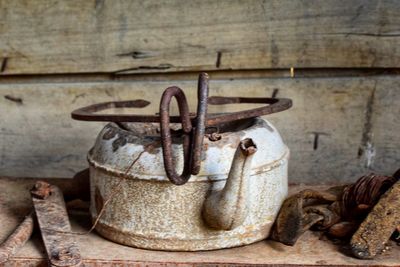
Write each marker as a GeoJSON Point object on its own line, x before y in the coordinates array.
{"type": "Point", "coordinates": [372, 196]}
{"type": "Point", "coordinates": [294, 218]}
{"type": "Point", "coordinates": [193, 137]}
{"type": "Point", "coordinates": [199, 131]}
{"type": "Point", "coordinates": [193, 142]}
{"type": "Point", "coordinates": [52, 217]}
{"type": "Point", "coordinates": [342, 230]}
{"type": "Point", "coordinates": [76, 188]}
{"type": "Point", "coordinates": [359, 198]}
{"type": "Point", "coordinates": [17, 239]}
{"type": "Point", "coordinates": [41, 190]}
{"type": "Point", "coordinates": [166, 135]}
{"type": "Point", "coordinates": [373, 233]}
{"type": "Point", "coordinates": [274, 105]}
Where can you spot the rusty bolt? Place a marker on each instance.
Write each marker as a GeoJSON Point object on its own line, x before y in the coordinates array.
{"type": "Point", "coordinates": [214, 137]}
{"type": "Point", "coordinates": [63, 254]}
{"type": "Point", "coordinates": [41, 190]}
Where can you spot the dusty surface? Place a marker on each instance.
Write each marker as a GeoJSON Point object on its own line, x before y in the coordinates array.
{"type": "Point", "coordinates": [309, 250]}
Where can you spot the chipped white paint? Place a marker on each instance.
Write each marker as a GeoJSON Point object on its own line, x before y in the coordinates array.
{"type": "Point", "coordinates": [150, 212]}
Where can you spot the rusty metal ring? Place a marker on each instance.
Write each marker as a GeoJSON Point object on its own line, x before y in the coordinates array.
{"type": "Point", "coordinates": [166, 140]}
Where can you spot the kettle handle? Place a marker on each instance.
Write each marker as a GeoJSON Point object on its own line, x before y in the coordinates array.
{"type": "Point", "coordinates": [193, 141]}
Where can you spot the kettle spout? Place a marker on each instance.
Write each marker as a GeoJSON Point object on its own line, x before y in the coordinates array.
{"type": "Point", "coordinates": [227, 209]}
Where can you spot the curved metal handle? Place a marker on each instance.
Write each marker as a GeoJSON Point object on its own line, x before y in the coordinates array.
{"type": "Point", "coordinates": [166, 141]}
{"type": "Point", "coordinates": [192, 144]}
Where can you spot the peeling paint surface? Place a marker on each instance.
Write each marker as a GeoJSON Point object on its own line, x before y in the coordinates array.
{"type": "Point", "coordinates": [150, 212]}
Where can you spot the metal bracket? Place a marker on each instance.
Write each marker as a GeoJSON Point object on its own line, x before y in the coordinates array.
{"type": "Point", "coordinates": [52, 217]}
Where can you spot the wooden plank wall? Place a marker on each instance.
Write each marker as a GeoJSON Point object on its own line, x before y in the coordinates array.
{"type": "Point", "coordinates": [59, 55]}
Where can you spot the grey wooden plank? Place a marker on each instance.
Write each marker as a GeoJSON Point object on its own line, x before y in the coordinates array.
{"type": "Point", "coordinates": [122, 36]}
{"type": "Point", "coordinates": [38, 137]}
{"type": "Point", "coordinates": [310, 249]}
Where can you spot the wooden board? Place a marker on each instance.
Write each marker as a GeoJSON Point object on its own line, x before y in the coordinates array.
{"type": "Point", "coordinates": [310, 250]}
{"type": "Point", "coordinates": [151, 36]}
{"type": "Point", "coordinates": [337, 130]}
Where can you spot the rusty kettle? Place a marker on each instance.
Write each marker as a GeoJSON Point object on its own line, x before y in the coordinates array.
{"type": "Point", "coordinates": [233, 173]}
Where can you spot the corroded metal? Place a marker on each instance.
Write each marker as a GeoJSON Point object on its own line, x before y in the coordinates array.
{"type": "Point", "coordinates": [17, 239]}
{"type": "Point", "coordinates": [166, 135]}
{"type": "Point", "coordinates": [151, 212]}
{"type": "Point", "coordinates": [375, 231]}
{"type": "Point", "coordinates": [199, 131]}
{"type": "Point", "coordinates": [340, 211]}
{"type": "Point", "coordinates": [273, 105]}
{"type": "Point", "coordinates": [52, 217]}
{"type": "Point", "coordinates": [232, 196]}
{"type": "Point", "coordinates": [192, 137]}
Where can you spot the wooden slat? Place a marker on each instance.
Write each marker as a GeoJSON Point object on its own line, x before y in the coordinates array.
{"type": "Point", "coordinates": [356, 120]}
{"type": "Point", "coordinates": [310, 249]}
{"type": "Point", "coordinates": [151, 36]}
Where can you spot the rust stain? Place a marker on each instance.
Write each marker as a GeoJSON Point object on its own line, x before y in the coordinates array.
{"type": "Point", "coordinates": [99, 202]}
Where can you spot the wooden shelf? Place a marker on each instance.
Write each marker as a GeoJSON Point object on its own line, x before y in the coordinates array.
{"type": "Point", "coordinates": [310, 250]}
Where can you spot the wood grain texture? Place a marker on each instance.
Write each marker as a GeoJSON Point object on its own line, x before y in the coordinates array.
{"type": "Point", "coordinates": [310, 250]}
{"type": "Point", "coordinates": [53, 36]}
{"type": "Point", "coordinates": [337, 130]}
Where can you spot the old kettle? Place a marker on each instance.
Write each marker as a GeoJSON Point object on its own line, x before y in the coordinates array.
{"type": "Point", "coordinates": [233, 173]}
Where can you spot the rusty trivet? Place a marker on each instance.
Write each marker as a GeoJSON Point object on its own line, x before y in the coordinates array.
{"type": "Point", "coordinates": [52, 217]}
{"type": "Point", "coordinates": [193, 136]}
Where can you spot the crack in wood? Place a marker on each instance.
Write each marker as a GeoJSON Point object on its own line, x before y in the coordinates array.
{"type": "Point", "coordinates": [17, 100]}
{"type": "Point", "coordinates": [4, 64]}
{"type": "Point", "coordinates": [218, 62]}
{"type": "Point", "coordinates": [136, 54]}
{"type": "Point", "coordinates": [275, 93]}
{"type": "Point", "coordinates": [163, 66]}
{"type": "Point", "coordinates": [383, 35]}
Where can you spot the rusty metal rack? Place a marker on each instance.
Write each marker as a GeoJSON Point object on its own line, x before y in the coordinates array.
{"type": "Point", "coordinates": [192, 136]}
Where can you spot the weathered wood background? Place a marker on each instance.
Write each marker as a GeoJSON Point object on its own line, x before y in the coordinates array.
{"type": "Point", "coordinates": [56, 56]}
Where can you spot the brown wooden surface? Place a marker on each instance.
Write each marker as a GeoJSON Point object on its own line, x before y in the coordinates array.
{"type": "Point", "coordinates": [310, 250]}
{"type": "Point", "coordinates": [356, 120]}
{"type": "Point", "coordinates": [151, 36]}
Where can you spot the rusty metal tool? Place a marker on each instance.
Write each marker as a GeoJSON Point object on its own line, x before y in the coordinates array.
{"type": "Point", "coordinates": [192, 136]}
{"type": "Point", "coordinates": [51, 213]}
{"type": "Point", "coordinates": [17, 239]}
{"type": "Point", "coordinates": [76, 188]}
{"type": "Point", "coordinates": [373, 233]}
